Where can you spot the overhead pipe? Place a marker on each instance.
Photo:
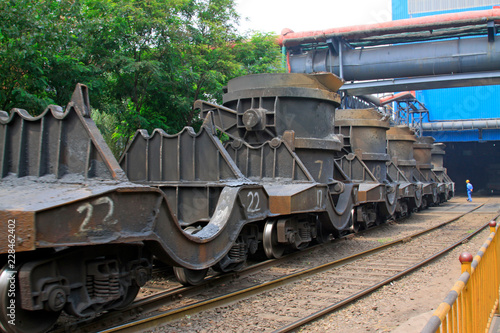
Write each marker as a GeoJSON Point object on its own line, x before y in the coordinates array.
{"type": "Point", "coordinates": [289, 38]}
{"type": "Point", "coordinates": [403, 60]}
{"type": "Point", "coordinates": [422, 83]}
{"type": "Point", "coordinates": [371, 99]}
{"type": "Point", "coordinates": [462, 125]}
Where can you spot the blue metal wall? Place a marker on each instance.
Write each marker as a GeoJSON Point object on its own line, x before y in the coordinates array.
{"type": "Point", "coordinates": [456, 103]}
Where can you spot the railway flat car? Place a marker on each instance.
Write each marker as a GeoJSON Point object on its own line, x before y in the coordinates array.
{"type": "Point", "coordinates": [83, 228]}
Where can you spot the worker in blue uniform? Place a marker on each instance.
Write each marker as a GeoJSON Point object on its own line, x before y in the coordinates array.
{"type": "Point", "coordinates": [469, 190]}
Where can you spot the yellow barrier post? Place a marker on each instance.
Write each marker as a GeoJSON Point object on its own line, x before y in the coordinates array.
{"type": "Point", "coordinates": [466, 261]}
{"type": "Point", "coordinates": [495, 246]}
{"type": "Point", "coordinates": [493, 291]}
{"type": "Point", "coordinates": [472, 303]}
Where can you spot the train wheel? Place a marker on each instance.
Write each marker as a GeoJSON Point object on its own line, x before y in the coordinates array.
{"type": "Point", "coordinates": [190, 277]}
{"type": "Point", "coordinates": [355, 225]}
{"type": "Point", "coordinates": [417, 200]}
{"type": "Point", "coordinates": [435, 197]}
{"type": "Point", "coordinates": [425, 204]}
{"type": "Point", "coordinates": [14, 319]}
{"type": "Point", "coordinates": [132, 292]}
{"type": "Point", "coordinates": [272, 248]}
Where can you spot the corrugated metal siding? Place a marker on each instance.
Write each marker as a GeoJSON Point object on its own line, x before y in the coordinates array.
{"type": "Point", "coordinates": [447, 11]}
{"type": "Point", "coordinates": [461, 103]}
{"type": "Point", "coordinates": [491, 135]}
{"type": "Point", "coordinates": [400, 8]}
{"type": "Point", "coordinates": [427, 6]}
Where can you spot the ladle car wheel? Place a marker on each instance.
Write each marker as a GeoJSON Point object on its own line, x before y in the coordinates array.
{"type": "Point", "coordinates": [272, 248]}
{"type": "Point", "coordinates": [14, 319]}
{"type": "Point", "coordinates": [190, 277]}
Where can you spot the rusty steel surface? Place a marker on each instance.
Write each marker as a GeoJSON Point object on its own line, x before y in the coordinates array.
{"type": "Point", "coordinates": [25, 229]}
{"type": "Point", "coordinates": [316, 142]}
{"type": "Point", "coordinates": [365, 141]}
{"type": "Point", "coordinates": [400, 141]}
{"type": "Point", "coordinates": [427, 24]}
{"type": "Point", "coordinates": [295, 169]}
{"type": "Point", "coordinates": [56, 143]}
{"type": "Point", "coordinates": [184, 157]}
{"type": "Point", "coordinates": [422, 152]}
{"type": "Point", "coordinates": [261, 107]}
{"type": "Point", "coordinates": [204, 189]}
{"type": "Point", "coordinates": [447, 186]}
{"type": "Point", "coordinates": [236, 207]}
{"type": "Point", "coordinates": [403, 168]}
{"type": "Point", "coordinates": [67, 194]}
{"type": "Point", "coordinates": [51, 161]}
{"type": "Point", "coordinates": [258, 108]}
{"type": "Point", "coordinates": [74, 178]}
{"type": "Point", "coordinates": [296, 198]}
{"type": "Point", "coordinates": [322, 85]}
{"type": "Point", "coordinates": [364, 132]}
{"type": "Point", "coordinates": [81, 228]}
{"type": "Point", "coordinates": [271, 161]}
{"type": "Point", "coordinates": [437, 155]}
{"type": "Point", "coordinates": [89, 210]}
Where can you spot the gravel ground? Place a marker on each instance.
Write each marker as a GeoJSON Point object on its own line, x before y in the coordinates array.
{"type": "Point", "coordinates": [405, 305]}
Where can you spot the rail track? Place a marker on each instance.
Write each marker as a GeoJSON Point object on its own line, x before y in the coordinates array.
{"type": "Point", "coordinates": [327, 290]}
{"type": "Point", "coordinates": [295, 170]}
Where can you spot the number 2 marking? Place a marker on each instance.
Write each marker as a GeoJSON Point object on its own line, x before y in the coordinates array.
{"type": "Point", "coordinates": [89, 207]}
{"type": "Point", "coordinates": [107, 200]}
{"type": "Point", "coordinates": [254, 202]}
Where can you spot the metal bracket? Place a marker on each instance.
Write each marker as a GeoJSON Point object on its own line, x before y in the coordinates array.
{"type": "Point", "coordinates": [491, 31]}
{"type": "Point", "coordinates": [333, 45]}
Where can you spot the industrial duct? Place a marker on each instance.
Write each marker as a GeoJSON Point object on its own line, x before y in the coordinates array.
{"type": "Point", "coordinates": [462, 125]}
{"type": "Point", "coordinates": [403, 60]}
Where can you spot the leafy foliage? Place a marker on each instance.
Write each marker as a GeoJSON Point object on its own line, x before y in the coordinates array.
{"type": "Point", "coordinates": [35, 38]}
{"type": "Point", "coordinates": [144, 61]}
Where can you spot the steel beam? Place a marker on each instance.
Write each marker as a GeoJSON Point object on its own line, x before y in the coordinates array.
{"type": "Point", "coordinates": [422, 83]}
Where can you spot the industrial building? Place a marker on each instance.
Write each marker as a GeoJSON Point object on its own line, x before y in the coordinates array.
{"type": "Point", "coordinates": [446, 53]}
{"type": "Point", "coordinates": [471, 153]}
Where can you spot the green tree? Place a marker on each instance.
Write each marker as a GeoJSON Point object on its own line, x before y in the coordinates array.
{"type": "Point", "coordinates": [37, 48]}
{"type": "Point", "coordinates": [145, 61]}
{"type": "Point", "coordinates": [257, 54]}
{"type": "Point", "coordinates": [128, 41]}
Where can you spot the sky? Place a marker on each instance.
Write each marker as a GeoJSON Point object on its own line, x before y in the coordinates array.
{"type": "Point", "coordinates": [306, 15]}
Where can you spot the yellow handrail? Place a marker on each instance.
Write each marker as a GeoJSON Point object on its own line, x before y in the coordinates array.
{"type": "Point", "coordinates": [471, 304]}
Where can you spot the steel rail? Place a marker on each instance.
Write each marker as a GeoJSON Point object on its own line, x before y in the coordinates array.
{"type": "Point", "coordinates": [153, 302]}
{"type": "Point", "coordinates": [359, 295]}
{"type": "Point", "coordinates": [154, 321]}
